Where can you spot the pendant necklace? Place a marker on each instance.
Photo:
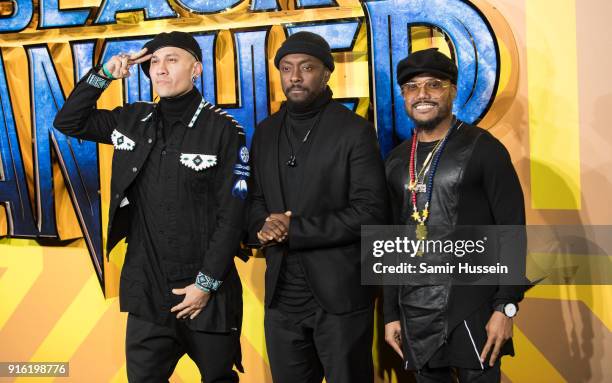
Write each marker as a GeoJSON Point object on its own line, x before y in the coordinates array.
{"type": "Point", "coordinates": [420, 218]}
{"type": "Point", "coordinates": [292, 161]}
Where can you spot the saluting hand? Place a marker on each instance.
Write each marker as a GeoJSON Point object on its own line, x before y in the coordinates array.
{"type": "Point", "coordinates": [119, 66]}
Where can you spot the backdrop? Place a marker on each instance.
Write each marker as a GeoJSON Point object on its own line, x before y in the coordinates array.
{"type": "Point", "coordinates": [533, 72]}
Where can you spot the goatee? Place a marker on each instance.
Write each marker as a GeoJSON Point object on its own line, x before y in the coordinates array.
{"type": "Point", "coordinates": [430, 125]}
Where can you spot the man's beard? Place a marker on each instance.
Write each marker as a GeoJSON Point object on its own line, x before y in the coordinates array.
{"type": "Point", "coordinates": [431, 124]}
{"type": "Point", "coordinates": [312, 95]}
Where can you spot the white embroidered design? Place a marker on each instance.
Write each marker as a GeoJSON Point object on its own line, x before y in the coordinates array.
{"type": "Point", "coordinates": [198, 162]}
{"type": "Point", "coordinates": [124, 202]}
{"type": "Point", "coordinates": [197, 113]}
{"type": "Point", "coordinates": [121, 141]}
{"type": "Point", "coordinates": [222, 112]}
{"type": "Point", "coordinates": [147, 117]}
{"type": "Point", "coordinates": [244, 154]}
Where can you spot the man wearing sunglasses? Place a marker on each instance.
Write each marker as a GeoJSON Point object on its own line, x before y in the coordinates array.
{"type": "Point", "coordinates": [449, 174]}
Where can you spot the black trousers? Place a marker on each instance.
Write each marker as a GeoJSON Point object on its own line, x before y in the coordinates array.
{"type": "Point", "coordinates": [152, 351]}
{"type": "Point", "coordinates": [462, 375]}
{"type": "Point", "coordinates": [337, 347]}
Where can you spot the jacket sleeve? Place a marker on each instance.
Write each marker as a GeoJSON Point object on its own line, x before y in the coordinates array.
{"type": "Point", "coordinates": [391, 309]}
{"type": "Point", "coordinates": [367, 201]}
{"type": "Point", "coordinates": [230, 196]}
{"type": "Point", "coordinates": [258, 211]}
{"type": "Point", "coordinates": [507, 204]}
{"type": "Point", "coordinates": [79, 116]}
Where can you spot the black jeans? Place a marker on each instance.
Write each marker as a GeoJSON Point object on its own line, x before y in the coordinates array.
{"type": "Point", "coordinates": [338, 347]}
{"type": "Point", "coordinates": [152, 351]}
{"type": "Point", "coordinates": [463, 375]}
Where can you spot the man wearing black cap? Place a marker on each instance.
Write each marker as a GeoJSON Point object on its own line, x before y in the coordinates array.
{"type": "Point", "coordinates": [449, 173]}
{"type": "Point", "coordinates": [178, 191]}
{"type": "Point", "coordinates": [317, 177]}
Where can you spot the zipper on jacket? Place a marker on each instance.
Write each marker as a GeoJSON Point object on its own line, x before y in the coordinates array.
{"type": "Point", "coordinates": [445, 313]}
{"type": "Point", "coordinates": [473, 344]}
{"type": "Point", "coordinates": [403, 326]}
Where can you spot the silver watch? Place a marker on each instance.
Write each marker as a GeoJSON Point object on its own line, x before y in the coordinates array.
{"type": "Point", "coordinates": [508, 309]}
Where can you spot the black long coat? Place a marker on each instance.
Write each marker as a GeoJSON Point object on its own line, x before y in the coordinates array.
{"type": "Point", "coordinates": [342, 187]}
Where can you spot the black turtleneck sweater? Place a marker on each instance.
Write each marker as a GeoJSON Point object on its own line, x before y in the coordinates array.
{"type": "Point", "coordinates": [293, 295]}
{"type": "Point", "coordinates": [175, 110]}
{"type": "Point", "coordinates": [149, 203]}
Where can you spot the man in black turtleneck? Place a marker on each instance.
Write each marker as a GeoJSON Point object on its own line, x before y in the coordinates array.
{"type": "Point", "coordinates": [317, 177]}
{"type": "Point", "coordinates": [178, 192]}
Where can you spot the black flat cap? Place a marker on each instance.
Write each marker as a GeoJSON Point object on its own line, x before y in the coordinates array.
{"type": "Point", "coordinates": [173, 39]}
{"type": "Point", "coordinates": [426, 61]}
{"type": "Point", "coordinates": [308, 43]}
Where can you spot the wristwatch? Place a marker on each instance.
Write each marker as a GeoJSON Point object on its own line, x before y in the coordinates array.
{"type": "Point", "coordinates": [508, 309]}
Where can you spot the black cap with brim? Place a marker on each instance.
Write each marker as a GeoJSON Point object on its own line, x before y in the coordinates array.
{"type": "Point", "coordinates": [428, 61]}
{"type": "Point", "coordinates": [173, 39]}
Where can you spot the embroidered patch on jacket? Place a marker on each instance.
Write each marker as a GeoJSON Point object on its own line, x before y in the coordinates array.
{"type": "Point", "coordinates": [121, 141]}
{"type": "Point", "coordinates": [240, 189]}
{"type": "Point", "coordinates": [124, 202]}
{"type": "Point", "coordinates": [242, 170]}
{"type": "Point", "coordinates": [198, 162]}
{"type": "Point", "coordinates": [243, 154]}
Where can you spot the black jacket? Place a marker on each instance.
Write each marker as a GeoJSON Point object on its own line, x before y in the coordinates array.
{"type": "Point", "coordinates": [210, 161]}
{"type": "Point", "coordinates": [342, 187]}
{"type": "Point", "coordinates": [475, 184]}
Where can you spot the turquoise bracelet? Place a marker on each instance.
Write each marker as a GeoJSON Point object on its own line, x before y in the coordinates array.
{"type": "Point", "coordinates": [107, 73]}
{"type": "Point", "coordinates": [206, 283]}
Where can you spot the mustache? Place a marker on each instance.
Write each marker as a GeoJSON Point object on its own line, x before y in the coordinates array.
{"type": "Point", "coordinates": [296, 87]}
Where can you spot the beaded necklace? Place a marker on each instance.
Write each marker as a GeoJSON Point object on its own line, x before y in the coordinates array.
{"type": "Point", "coordinates": [421, 217]}
{"type": "Point", "coordinates": [418, 184]}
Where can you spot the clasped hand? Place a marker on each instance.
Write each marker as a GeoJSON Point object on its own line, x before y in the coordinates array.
{"type": "Point", "coordinates": [275, 228]}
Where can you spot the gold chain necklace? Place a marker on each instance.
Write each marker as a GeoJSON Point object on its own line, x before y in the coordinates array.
{"type": "Point", "coordinates": [418, 184]}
